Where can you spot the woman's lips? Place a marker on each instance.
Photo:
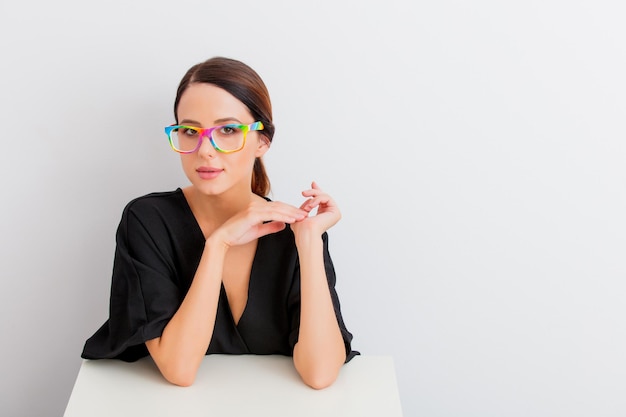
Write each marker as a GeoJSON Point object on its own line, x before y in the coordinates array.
{"type": "Point", "coordinates": [208, 173]}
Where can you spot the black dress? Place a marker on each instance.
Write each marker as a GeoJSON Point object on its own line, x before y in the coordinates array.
{"type": "Point", "coordinates": [159, 245]}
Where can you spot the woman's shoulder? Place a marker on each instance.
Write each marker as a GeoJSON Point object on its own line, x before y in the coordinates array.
{"type": "Point", "coordinates": [157, 201]}
{"type": "Point", "coordinates": [158, 213]}
{"type": "Point", "coordinates": [158, 209]}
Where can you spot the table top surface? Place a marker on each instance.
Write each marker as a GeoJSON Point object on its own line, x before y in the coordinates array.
{"type": "Point", "coordinates": [229, 385]}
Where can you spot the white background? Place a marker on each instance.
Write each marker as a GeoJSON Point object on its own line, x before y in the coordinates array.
{"type": "Point", "coordinates": [476, 150]}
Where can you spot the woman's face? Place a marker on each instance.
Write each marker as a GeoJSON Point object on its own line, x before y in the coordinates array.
{"type": "Point", "coordinates": [212, 172]}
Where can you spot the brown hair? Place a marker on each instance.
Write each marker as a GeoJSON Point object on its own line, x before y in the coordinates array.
{"type": "Point", "coordinates": [245, 84]}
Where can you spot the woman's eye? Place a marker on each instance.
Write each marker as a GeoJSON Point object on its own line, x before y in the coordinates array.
{"type": "Point", "coordinates": [188, 132]}
{"type": "Point", "coordinates": [229, 130]}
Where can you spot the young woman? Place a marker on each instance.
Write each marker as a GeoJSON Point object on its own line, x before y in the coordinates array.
{"type": "Point", "coordinates": [216, 267]}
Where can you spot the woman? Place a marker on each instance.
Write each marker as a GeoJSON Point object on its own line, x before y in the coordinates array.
{"type": "Point", "coordinates": [216, 267]}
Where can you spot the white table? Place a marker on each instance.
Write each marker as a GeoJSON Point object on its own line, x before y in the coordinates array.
{"type": "Point", "coordinates": [226, 385]}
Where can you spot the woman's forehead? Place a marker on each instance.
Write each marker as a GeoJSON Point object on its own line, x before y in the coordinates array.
{"type": "Point", "coordinates": [207, 102]}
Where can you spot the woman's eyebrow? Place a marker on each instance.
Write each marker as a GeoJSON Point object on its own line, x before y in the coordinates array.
{"type": "Point", "coordinates": [227, 119]}
{"type": "Point", "coordinates": [215, 122]}
{"type": "Point", "coordinates": [191, 122]}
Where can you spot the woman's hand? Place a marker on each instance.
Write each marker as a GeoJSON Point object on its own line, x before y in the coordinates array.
{"type": "Point", "coordinates": [260, 218]}
{"type": "Point", "coordinates": [327, 215]}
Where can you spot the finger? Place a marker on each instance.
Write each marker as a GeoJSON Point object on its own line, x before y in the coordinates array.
{"type": "Point", "coordinates": [317, 203]}
{"type": "Point", "coordinates": [277, 211]}
{"type": "Point", "coordinates": [271, 227]}
{"type": "Point", "coordinates": [313, 192]}
{"type": "Point", "coordinates": [314, 188]}
{"type": "Point", "coordinates": [288, 208]}
{"type": "Point", "coordinates": [319, 199]}
{"type": "Point", "coordinates": [307, 206]}
{"type": "Point", "coordinates": [283, 217]}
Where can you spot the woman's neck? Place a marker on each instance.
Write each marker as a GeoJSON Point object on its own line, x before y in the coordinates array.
{"type": "Point", "coordinates": [213, 210]}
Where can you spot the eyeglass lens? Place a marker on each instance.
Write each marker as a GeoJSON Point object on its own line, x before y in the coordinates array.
{"type": "Point", "coordinates": [226, 138]}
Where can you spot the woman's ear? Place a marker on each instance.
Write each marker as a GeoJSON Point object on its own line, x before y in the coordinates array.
{"type": "Point", "coordinates": [262, 146]}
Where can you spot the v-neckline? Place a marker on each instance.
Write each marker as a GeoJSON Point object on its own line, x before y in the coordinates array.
{"type": "Point", "coordinates": [199, 231]}
{"type": "Point", "coordinates": [249, 297]}
{"type": "Point", "coordinates": [251, 281]}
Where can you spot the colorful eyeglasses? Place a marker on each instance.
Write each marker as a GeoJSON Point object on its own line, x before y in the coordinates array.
{"type": "Point", "coordinates": [226, 138]}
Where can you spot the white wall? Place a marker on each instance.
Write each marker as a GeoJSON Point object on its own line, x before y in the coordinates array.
{"type": "Point", "coordinates": [476, 149]}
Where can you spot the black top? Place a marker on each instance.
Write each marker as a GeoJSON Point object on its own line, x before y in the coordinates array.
{"type": "Point", "coordinates": [159, 245]}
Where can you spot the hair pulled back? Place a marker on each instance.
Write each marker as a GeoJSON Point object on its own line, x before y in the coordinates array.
{"type": "Point", "coordinates": [246, 85]}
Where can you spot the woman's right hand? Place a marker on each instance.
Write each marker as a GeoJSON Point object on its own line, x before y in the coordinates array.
{"type": "Point", "coordinates": [260, 218]}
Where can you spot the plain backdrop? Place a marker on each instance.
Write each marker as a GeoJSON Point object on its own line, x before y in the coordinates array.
{"type": "Point", "coordinates": [476, 150]}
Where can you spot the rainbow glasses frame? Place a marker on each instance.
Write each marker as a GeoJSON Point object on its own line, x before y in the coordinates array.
{"type": "Point", "coordinates": [207, 133]}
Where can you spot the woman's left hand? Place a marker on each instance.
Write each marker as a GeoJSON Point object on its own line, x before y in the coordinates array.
{"type": "Point", "coordinates": [327, 215]}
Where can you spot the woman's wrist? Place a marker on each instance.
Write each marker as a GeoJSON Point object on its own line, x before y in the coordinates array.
{"type": "Point", "coordinates": [307, 239]}
{"type": "Point", "coordinates": [215, 243]}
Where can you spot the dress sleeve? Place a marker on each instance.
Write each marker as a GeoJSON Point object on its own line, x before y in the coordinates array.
{"type": "Point", "coordinates": [295, 304]}
{"type": "Point", "coordinates": [144, 292]}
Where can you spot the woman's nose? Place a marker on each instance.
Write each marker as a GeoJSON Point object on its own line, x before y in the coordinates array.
{"type": "Point", "coordinates": [206, 148]}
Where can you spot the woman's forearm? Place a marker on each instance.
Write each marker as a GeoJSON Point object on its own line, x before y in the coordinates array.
{"type": "Point", "coordinates": [320, 351]}
{"type": "Point", "coordinates": [179, 351]}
